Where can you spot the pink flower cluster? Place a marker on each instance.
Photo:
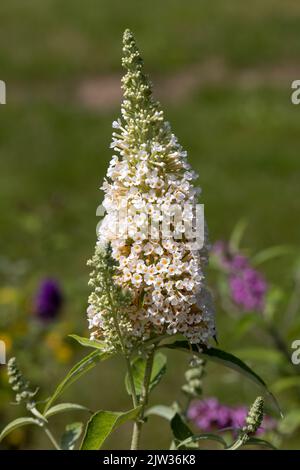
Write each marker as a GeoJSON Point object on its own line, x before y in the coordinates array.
{"type": "Point", "coordinates": [210, 415]}
{"type": "Point", "coordinates": [247, 285]}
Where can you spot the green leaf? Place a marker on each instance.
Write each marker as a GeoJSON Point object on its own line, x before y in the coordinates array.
{"type": "Point", "coordinates": [271, 356]}
{"type": "Point", "coordinates": [226, 359]}
{"type": "Point", "coordinates": [181, 431]}
{"type": "Point", "coordinates": [166, 412]}
{"type": "Point", "coordinates": [270, 253]}
{"type": "Point", "coordinates": [102, 424]}
{"type": "Point", "coordinates": [254, 441]}
{"type": "Point", "coordinates": [83, 366]}
{"type": "Point", "coordinates": [202, 437]}
{"type": "Point", "coordinates": [62, 407]}
{"type": "Point", "coordinates": [71, 435]}
{"type": "Point", "coordinates": [89, 343]}
{"type": "Point", "coordinates": [285, 383]}
{"type": "Point", "coordinates": [290, 422]}
{"type": "Point", "coordinates": [138, 371]}
{"type": "Point", "coordinates": [17, 423]}
{"type": "Point", "coordinates": [237, 235]}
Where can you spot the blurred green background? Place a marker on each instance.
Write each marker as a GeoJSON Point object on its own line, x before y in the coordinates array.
{"type": "Point", "coordinates": [223, 71]}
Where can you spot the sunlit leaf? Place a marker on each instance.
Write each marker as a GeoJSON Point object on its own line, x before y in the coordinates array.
{"type": "Point", "coordinates": [89, 343]}
{"type": "Point", "coordinates": [63, 407]}
{"type": "Point", "coordinates": [102, 424]}
{"type": "Point", "coordinates": [166, 412]}
{"type": "Point", "coordinates": [138, 372]}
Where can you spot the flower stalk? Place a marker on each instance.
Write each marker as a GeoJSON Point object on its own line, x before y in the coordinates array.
{"type": "Point", "coordinates": [143, 400]}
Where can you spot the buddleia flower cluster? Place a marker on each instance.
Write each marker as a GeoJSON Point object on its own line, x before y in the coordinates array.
{"type": "Point", "coordinates": [148, 179]}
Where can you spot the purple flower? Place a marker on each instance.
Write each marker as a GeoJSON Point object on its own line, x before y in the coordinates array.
{"type": "Point", "coordinates": [239, 262]}
{"type": "Point", "coordinates": [248, 289]}
{"type": "Point", "coordinates": [210, 415]}
{"type": "Point", "coordinates": [247, 286]}
{"type": "Point", "coordinates": [238, 416]}
{"type": "Point", "coordinates": [48, 301]}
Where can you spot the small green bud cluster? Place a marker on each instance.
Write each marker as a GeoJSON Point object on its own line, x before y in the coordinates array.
{"type": "Point", "coordinates": [18, 383]}
{"type": "Point", "coordinates": [107, 301]}
{"type": "Point", "coordinates": [255, 416]}
{"type": "Point", "coordinates": [194, 378]}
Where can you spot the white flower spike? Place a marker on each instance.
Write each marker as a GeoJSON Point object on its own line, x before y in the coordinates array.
{"type": "Point", "coordinates": [148, 179]}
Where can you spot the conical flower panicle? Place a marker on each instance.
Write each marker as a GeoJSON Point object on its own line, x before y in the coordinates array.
{"type": "Point", "coordinates": [148, 181]}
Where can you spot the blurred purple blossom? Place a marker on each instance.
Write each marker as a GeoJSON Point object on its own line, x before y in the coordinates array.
{"type": "Point", "coordinates": [248, 289]}
{"type": "Point", "coordinates": [48, 300]}
{"type": "Point", "coordinates": [247, 286]}
{"type": "Point", "coordinates": [210, 415]}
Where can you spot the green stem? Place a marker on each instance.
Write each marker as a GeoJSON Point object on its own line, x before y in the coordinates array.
{"type": "Point", "coordinates": [144, 401]}
{"type": "Point", "coordinates": [130, 375]}
{"type": "Point", "coordinates": [134, 402]}
{"type": "Point", "coordinates": [52, 438]}
{"type": "Point", "coordinates": [239, 442]}
{"type": "Point", "coordinates": [43, 422]}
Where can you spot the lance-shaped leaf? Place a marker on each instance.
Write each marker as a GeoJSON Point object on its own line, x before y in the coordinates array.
{"type": "Point", "coordinates": [63, 407]}
{"type": "Point", "coordinates": [102, 424]}
{"type": "Point", "coordinates": [88, 343]}
{"type": "Point", "coordinates": [17, 423]}
{"type": "Point", "coordinates": [226, 359]}
{"type": "Point", "coordinates": [138, 371]}
{"type": "Point", "coordinates": [83, 366]}
{"type": "Point", "coordinates": [166, 412]}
